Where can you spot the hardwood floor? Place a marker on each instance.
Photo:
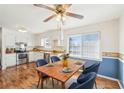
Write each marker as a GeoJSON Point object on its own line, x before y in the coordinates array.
{"type": "Point", "coordinates": [26, 77]}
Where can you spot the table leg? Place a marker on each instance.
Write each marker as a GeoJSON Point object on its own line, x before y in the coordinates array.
{"type": "Point", "coordinates": [53, 82]}
{"type": "Point", "coordinates": [63, 85]}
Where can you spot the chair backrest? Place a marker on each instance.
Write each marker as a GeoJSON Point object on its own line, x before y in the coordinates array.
{"type": "Point", "coordinates": [41, 62]}
{"type": "Point", "coordinates": [55, 59]}
{"type": "Point", "coordinates": [92, 68]}
{"type": "Point", "coordinates": [87, 81]}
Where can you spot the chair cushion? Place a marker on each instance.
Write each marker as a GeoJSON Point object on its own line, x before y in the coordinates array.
{"type": "Point", "coordinates": [80, 78]}
{"type": "Point", "coordinates": [83, 77]}
{"type": "Point", "coordinates": [92, 68]}
{"type": "Point", "coordinates": [73, 85]}
{"type": "Point", "coordinates": [55, 59]}
{"type": "Point", "coordinates": [85, 81]}
{"type": "Point", "coordinates": [41, 62]}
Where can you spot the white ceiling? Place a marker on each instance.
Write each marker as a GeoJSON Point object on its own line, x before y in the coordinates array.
{"type": "Point", "coordinates": [31, 17]}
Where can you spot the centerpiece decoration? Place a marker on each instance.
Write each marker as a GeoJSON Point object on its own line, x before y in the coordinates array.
{"type": "Point", "coordinates": [66, 69]}
{"type": "Point", "coordinates": [65, 60]}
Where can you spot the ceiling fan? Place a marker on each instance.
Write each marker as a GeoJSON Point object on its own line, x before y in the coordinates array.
{"type": "Point", "coordinates": [59, 11]}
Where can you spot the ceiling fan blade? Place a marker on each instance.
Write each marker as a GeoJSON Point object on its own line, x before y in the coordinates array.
{"type": "Point", "coordinates": [44, 6]}
{"type": "Point", "coordinates": [74, 15]}
{"type": "Point", "coordinates": [66, 6]}
{"type": "Point", "coordinates": [50, 17]}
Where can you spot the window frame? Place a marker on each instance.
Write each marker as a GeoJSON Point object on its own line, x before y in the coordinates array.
{"type": "Point", "coordinates": [86, 33]}
{"type": "Point", "coordinates": [44, 42]}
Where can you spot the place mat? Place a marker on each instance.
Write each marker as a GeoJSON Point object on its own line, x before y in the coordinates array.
{"type": "Point", "coordinates": [78, 63]}
{"type": "Point", "coordinates": [67, 70]}
{"type": "Point", "coordinates": [49, 65]}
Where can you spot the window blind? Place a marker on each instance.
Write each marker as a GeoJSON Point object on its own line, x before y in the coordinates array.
{"type": "Point", "coordinates": [85, 46]}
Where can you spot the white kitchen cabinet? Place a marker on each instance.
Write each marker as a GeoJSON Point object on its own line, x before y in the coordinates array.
{"type": "Point", "coordinates": [34, 56]}
{"type": "Point", "coordinates": [38, 55]}
{"type": "Point", "coordinates": [10, 60]}
{"type": "Point", "coordinates": [31, 57]}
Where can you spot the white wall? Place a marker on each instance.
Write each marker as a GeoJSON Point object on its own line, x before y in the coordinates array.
{"type": "Point", "coordinates": [0, 45]}
{"type": "Point", "coordinates": [109, 34]}
{"type": "Point", "coordinates": [121, 48]}
{"type": "Point", "coordinates": [52, 35]}
{"type": "Point", "coordinates": [121, 35]}
{"type": "Point", "coordinates": [0, 40]}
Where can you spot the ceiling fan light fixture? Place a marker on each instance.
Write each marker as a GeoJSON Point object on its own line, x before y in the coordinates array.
{"type": "Point", "coordinates": [63, 18]}
{"type": "Point", "coordinates": [60, 17]}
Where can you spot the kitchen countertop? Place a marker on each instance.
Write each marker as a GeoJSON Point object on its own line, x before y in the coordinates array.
{"type": "Point", "coordinates": [10, 53]}
{"type": "Point", "coordinates": [51, 52]}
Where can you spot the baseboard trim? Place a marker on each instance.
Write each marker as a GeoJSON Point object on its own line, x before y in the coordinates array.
{"type": "Point", "coordinates": [110, 78]}
{"type": "Point", "coordinates": [120, 84]}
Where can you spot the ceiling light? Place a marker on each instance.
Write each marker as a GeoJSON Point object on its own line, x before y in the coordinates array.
{"type": "Point", "coordinates": [22, 29]}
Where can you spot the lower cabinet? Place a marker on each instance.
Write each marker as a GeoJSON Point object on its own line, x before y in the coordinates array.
{"type": "Point", "coordinates": [31, 57]}
{"type": "Point", "coordinates": [34, 56]}
{"type": "Point", "coordinates": [10, 60]}
{"type": "Point", "coordinates": [38, 56]}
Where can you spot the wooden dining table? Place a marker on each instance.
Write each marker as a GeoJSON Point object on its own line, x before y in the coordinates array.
{"type": "Point", "coordinates": [56, 71]}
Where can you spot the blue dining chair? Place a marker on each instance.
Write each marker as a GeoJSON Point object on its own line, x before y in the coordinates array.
{"type": "Point", "coordinates": [39, 63]}
{"type": "Point", "coordinates": [86, 81]}
{"type": "Point", "coordinates": [55, 59]}
{"type": "Point", "coordinates": [92, 68]}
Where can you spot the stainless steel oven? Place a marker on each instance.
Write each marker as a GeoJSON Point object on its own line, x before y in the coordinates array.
{"type": "Point", "coordinates": [21, 53]}
{"type": "Point", "coordinates": [21, 58]}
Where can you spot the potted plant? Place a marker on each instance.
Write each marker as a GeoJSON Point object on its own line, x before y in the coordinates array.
{"type": "Point", "coordinates": [64, 58]}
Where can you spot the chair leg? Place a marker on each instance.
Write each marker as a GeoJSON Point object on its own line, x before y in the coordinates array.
{"type": "Point", "coordinates": [46, 81]}
{"type": "Point", "coordinates": [53, 82]}
{"type": "Point", "coordinates": [95, 85]}
{"type": "Point", "coordinates": [42, 81]}
{"type": "Point", "coordinates": [57, 82]}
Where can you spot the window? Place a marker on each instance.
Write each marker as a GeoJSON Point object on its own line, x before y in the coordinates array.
{"type": "Point", "coordinates": [42, 42]}
{"type": "Point", "coordinates": [85, 46]}
{"type": "Point", "coordinates": [75, 46]}
{"type": "Point", "coordinates": [45, 42]}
